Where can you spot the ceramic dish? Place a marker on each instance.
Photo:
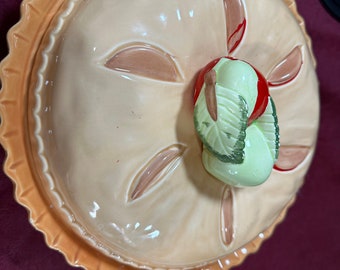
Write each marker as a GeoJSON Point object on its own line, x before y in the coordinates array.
{"type": "Point", "coordinates": [83, 130]}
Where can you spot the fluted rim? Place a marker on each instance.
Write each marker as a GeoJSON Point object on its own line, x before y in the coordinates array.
{"type": "Point", "coordinates": [24, 42]}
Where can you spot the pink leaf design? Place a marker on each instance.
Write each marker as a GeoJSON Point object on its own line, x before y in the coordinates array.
{"type": "Point", "coordinates": [290, 157]}
{"type": "Point", "coordinates": [287, 69]}
{"type": "Point", "coordinates": [227, 229]}
{"type": "Point", "coordinates": [236, 23]}
{"type": "Point", "coordinates": [145, 60]}
{"type": "Point", "coordinates": [162, 164]}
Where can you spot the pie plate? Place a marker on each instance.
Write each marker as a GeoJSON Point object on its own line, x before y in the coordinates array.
{"type": "Point", "coordinates": [103, 152]}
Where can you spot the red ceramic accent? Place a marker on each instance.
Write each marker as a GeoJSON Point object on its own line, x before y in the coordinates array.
{"type": "Point", "coordinates": [262, 89]}
{"type": "Point", "coordinates": [200, 78]}
{"type": "Point", "coordinates": [236, 23]}
{"type": "Point", "coordinates": [262, 97]}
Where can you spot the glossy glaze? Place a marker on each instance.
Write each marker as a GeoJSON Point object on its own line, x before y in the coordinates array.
{"type": "Point", "coordinates": [107, 125]}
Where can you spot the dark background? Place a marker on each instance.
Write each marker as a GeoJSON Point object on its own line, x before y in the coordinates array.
{"type": "Point", "coordinates": [309, 238]}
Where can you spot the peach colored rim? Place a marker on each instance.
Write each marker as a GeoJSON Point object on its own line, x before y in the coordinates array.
{"type": "Point", "coordinates": [24, 42]}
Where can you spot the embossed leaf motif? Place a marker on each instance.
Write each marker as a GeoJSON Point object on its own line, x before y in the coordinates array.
{"type": "Point", "coordinates": [287, 69]}
{"type": "Point", "coordinates": [291, 156]}
{"type": "Point", "coordinates": [162, 164]}
{"type": "Point", "coordinates": [227, 217]}
{"type": "Point", "coordinates": [145, 60]}
{"type": "Point", "coordinates": [225, 136]}
{"type": "Point", "coordinates": [236, 23]}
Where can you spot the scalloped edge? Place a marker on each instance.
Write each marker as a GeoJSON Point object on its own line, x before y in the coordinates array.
{"type": "Point", "coordinates": [24, 38]}
{"type": "Point", "coordinates": [294, 9]}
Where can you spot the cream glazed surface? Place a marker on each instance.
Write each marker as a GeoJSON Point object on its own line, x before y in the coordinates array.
{"type": "Point", "coordinates": [120, 142]}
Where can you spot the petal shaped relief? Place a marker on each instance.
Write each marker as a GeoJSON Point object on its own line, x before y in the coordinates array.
{"type": "Point", "coordinates": [227, 229]}
{"type": "Point", "coordinates": [291, 156]}
{"type": "Point", "coordinates": [145, 60]}
{"type": "Point", "coordinates": [161, 165]}
{"type": "Point", "coordinates": [288, 68]}
{"type": "Point", "coordinates": [236, 23]}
